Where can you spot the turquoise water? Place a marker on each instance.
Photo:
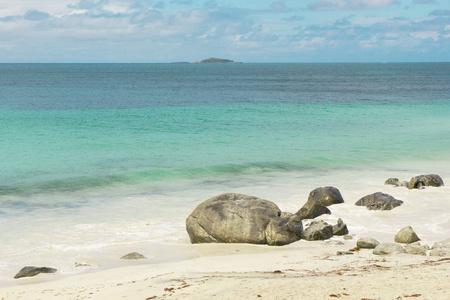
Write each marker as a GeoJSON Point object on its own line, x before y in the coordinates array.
{"type": "Point", "coordinates": [75, 149]}
{"type": "Point", "coordinates": [70, 127]}
{"type": "Point", "coordinates": [98, 160]}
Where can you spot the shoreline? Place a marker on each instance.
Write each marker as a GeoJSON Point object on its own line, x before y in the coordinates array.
{"type": "Point", "coordinates": [309, 273]}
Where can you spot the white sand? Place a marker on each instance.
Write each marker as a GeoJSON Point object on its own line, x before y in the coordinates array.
{"type": "Point", "coordinates": [295, 271]}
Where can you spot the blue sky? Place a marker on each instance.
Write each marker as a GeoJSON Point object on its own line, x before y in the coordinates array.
{"type": "Point", "coordinates": [248, 31]}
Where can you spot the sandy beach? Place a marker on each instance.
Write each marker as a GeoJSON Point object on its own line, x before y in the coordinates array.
{"type": "Point", "coordinates": [289, 272]}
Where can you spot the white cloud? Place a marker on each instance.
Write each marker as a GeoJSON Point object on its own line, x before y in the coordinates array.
{"type": "Point", "coordinates": [424, 35]}
{"type": "Point", "coordinates": [350, 4]}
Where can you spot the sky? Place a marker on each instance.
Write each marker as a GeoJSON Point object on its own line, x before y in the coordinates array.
{"type": "Point", "coordinates": [147, 31]}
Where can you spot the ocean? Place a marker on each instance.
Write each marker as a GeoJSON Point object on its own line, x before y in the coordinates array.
{"type": "Point", "coordinates": [98, 160]}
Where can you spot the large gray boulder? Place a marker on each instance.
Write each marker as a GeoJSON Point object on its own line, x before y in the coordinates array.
{"type": "Point", "coordinates": [388, 248]}
{"type": "Point", "coordinates": [237, 218]}
{"type": "Point", "coordinates": [406, 236]}
{"type": "Point", "coordinates": [30, 271]}
{"type": "Point", "coordinates": [379, 201]}
{"type": "Point", "coordinates": [326, 196]}
{"type": "Point", "coordinates": [318, 230]}
{"type": "Point", "coordinates": [425, 180]}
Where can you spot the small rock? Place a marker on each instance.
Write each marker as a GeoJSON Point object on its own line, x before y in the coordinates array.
{"type": "Point", "coordinates": [442, 244]}
{"type": "Point", "coordinates": [415, 249]}
{"type": "Point", "coordinates": [388, 248]}
{"type": "Point", "coordinates": [30, 271]}
{"type": "Point", "coordinates": [406, 236]}
{"type": "Point", "coordinates": [340, 228]}
{"type": "Point", "coordinates": [348, 237]}
{"type": "Point", "coordinates": [367, 243]}
{"type": "Point", "coordinates": [441, 248]}
{"type": "Point", "coordinates": [440, 252]}
{"type": "Point", "coordinates": [133, 255]}
{"type": "Point", "coordinates": [391, 181]}
{"type": "Point", "coordinates": [318, 230]}
{"type": "Point", "coordinates": [402, 183]}
{"type": "Point", "coordinates": [344, 253]}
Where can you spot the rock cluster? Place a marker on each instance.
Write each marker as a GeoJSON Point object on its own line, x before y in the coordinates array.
{"type": "Point", "coordinates": [408, 237]}
{"type": "Point", "coordinates": [238, 218]}
{"type": "Point", "coordinates": [418, 182]}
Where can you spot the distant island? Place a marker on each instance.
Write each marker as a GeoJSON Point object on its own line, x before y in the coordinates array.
{"type": "Point", "coordinates": [215, 60]}
{"type": "Point", "coordinates": [211, 60]}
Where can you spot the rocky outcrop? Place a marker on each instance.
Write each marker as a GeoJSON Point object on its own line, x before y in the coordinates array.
{"type": "Point", "coordinates": [425, 180]}
{"type": "Point", "coordinates": [33, 271]}
{"type": "Point", "coordinates": [388, 248]}
{"type": "Point", "coordinates": [406, 236]}
{"type": "Point", "coordinates": [318, 199]}
{"type": "Point", "coordinates": [367, 243]}
{"type": "Point", "coordinates": [238, 218]}
{"type": "Point", "coordinates": [340, 228]}
{"type": "Point", "coordinates": [318, 230]}
{"type": "Point", "coordinates": [379, 201]}
{"type": "Point", "coordinates": [133, 255]}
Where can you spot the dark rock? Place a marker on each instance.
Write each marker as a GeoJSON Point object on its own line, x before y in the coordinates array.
{"type": "Point", "coordinates": [425, 180]}
{"type": "Point", "coordinates": [133, 255]}
{"type": "Point", "coordinates": [406, 236]}
{"type": "Point", "coordinates": [388, 248]}
{"type": "Point", "coordinates": [318, 230]}
{"type": "Point", "coordinates": [284, 230]}
{"type": "Point", "coordinates": [326, 196]}
{"type": "Point", "coordinates": [237, 218]}
{"type": "Point", "coordinates": [392, 181]}
{"type": "Point", "coordinates": [344, 253]}
{"type": "Point", "coordinates": [379, 201]}
{"type": "Point", "coordinates": [367, 243]}
{"type": "Point", "coordinates": [312, 210]}
{"type": "Point", "coordinates": [33, 271]}
{"type": "Point", "coordinates": [340, 228]}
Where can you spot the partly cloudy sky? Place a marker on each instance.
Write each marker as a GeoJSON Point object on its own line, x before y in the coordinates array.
{"type": "Point", "coordinates": [248, 31]}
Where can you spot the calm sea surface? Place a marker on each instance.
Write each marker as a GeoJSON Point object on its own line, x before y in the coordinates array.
{"type": "Point", "coordinates": [83, 146]}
